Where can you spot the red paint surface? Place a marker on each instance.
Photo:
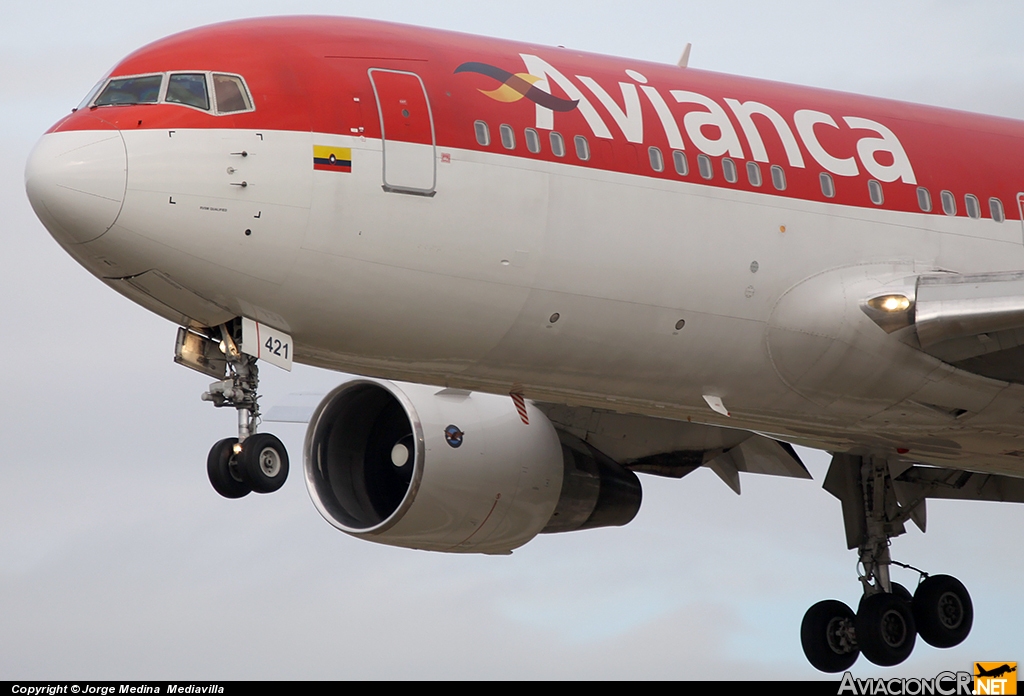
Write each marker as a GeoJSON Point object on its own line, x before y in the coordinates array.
{"type": "Point", "coordinates": [310, 73]}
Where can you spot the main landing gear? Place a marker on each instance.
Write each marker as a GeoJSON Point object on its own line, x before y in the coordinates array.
{"type": "Point", "coordinates": [888, 618]}
{"type": "Point", "coordinates": [252, 461]}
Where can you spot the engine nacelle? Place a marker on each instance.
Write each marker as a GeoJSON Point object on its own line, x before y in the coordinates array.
{"type": "Point", "coordinates": [450, 470]}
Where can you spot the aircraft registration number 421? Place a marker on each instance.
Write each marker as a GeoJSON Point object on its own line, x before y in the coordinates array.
{"type": "Point", "coordinates": [267, 343]}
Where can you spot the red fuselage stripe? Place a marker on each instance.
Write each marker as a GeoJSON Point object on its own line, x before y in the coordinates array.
{"type": "Point", "coordinates": [311, 74]}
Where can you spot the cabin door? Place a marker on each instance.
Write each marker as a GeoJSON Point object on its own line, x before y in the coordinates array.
{"type": "Point", "coordinates": [407, 132]}
{"type": "Point", "coordinates": [1020, 209]}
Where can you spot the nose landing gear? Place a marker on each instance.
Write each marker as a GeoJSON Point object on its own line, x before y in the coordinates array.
{"type": "Point", "coordinates": [888, 618]}
{"type": "Point", "coordinates": [251, 462]}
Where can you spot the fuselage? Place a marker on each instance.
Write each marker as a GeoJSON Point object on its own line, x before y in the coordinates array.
{"type": "Point", "coordinates": [582, 229]}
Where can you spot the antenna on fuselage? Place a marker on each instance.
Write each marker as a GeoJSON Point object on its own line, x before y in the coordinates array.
{"type": "Point", "coordinates": [684, 59]}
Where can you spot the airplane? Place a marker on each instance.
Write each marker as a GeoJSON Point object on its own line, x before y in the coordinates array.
{"type": "Point", "coordinates": [995, 672]}
{"type": "Point", "coordinates": [556, 270]}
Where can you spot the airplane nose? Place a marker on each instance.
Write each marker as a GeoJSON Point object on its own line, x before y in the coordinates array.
{"type": "Point", "coordinates": [76, 180]}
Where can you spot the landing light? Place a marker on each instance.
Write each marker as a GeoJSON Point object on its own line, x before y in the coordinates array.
{"type": "Point", "coordinates": [237, 448]}
{"type": "Point", "coordinates": [890, 303]}
{"type": "Point", "coordinates": [890, 312]}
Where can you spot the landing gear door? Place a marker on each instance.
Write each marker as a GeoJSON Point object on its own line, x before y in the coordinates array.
{"type": "Point", "coordinates": [407, 132]}
{"type": "Point", "coordinates": [267, 343]}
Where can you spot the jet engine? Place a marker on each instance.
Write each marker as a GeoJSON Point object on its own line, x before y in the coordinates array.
{"type": "Point", "coordinates": [451, 470]}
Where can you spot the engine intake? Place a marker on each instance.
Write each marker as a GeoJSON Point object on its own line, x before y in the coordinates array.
{"type": "Point", "coordinates": [361, 478]}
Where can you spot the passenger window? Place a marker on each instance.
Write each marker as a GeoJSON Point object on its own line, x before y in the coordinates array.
{"type": "Point", "coordinates": [948, 203]}
{"type": "Point", "coordinates": [729, 170]}
{"type": "Point", "coordinates": [679, 159]}
{"type": "Point", "coordinates": [557, 144]}
{"type": "Point", "coordinates": [657, 161]}
{"type": "Point", "coordinates": [532, 141]}
{"type": "Point", "coordinates": [131, 90]}
{"type": "Point", "coordinates": [508, 137]}
{"type": "Point", "coordinates": [924, 199]}
{"type": "Point", "coordinates": [875, 191]}
{"type": "Point", "coordinates": [828, 187]}
{"type": "Point", "coordinates": [188, 89]}
{"type": "Point", "coordinates": [778, 178]}
{"type": "Point", "coordinates": [704, 166]}
{"type": "Point", "coordinates": [972, 205]}
{"type": "Point", "coordinates": [995, 207]}
{"type": "Point", "coordinates": [483, 133]}
{"type": "Point", "coordinates": [231, 94]}
{"type": "Point", "coordinates": [582, 148]}
{"type": "Point", "coordinates": [753, 173]}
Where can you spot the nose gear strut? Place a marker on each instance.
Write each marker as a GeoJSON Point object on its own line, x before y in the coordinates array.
{"type": "Point", "coordinates": [239, 389]}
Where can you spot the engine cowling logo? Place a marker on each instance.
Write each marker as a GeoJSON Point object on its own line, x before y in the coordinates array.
{"type": "Point", "coordinates": [453, 436]}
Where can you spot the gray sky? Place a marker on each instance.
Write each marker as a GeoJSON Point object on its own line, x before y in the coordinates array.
{"type": "Point", "coordinates": [118, 561]}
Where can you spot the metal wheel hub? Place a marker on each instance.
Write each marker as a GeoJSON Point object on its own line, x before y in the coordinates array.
{"type": "Point", "coordinates": [894, 629]}
{"type": "Point", "coordinates": [270, 462]}
{"type": "Point", "coordinates": [233, 470]}
{"type": "Point", "coordinates": [837, 635]}
{"type": "Point", "coordinates": [951, 610]}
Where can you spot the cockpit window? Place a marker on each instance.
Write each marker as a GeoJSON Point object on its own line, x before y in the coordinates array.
{"type": "Point", "coordinates": [144, 89]}
{"type": "Point", "coordinates": [231, 94]}
{"type": "Point", "coordinates": [189, 89]}
{"type": "Point", "coordinates": [92, 93]}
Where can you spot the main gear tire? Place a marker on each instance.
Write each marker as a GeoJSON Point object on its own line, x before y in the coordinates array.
{"type": "Point", "coordinates": [898, 590]}
{"type": "Point", "coordinates": [826, 636]}
{"type": "Point", "coordinates": [943, 611]}
{"type": "Point", "coordinates": [886, 631]}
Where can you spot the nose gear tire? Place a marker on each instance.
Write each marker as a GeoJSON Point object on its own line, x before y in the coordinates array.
{"type": "Point", "coordinates": [263, 462]}
{"type": "Point", "coordinates": [222, 468]}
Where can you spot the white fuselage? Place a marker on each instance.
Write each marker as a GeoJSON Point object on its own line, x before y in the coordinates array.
{"type": "Point", "coordinates": [461, 288]}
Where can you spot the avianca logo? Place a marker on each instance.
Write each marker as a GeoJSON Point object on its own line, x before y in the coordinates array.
{"type": "Point", "coordinates": [706, 123]}
{"type": "Point", "coordinates": [516, 86]}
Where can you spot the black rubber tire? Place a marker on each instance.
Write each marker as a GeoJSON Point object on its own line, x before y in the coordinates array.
{"type": "Point", "coordinates": [263, 462]}
{"type": "Point", "coordinates": [898, 590]}
{"type": "Point", "coordinates": [224, 474]}
{"type": "Point", "coordinates": [943, 611]}
{"type": "Point", "coordinates": [818, 636]}
{"type": "Point", "coordinates": [886, 631]}
{"type": "Point", "coordinates": [902, 592]}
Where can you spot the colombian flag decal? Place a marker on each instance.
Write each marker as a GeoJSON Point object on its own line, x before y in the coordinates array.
{"type": "Point", "coordinates": [332, 159]}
